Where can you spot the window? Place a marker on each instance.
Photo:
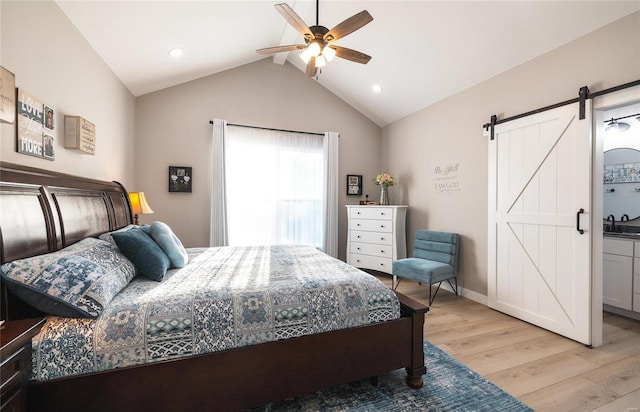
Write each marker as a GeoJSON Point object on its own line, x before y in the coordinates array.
{"type": "Point", "coordinates": [275, 185]}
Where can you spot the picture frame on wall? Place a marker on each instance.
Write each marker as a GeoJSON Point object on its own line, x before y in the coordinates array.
{"type": "Point", "coordinates": [48, 117]}
{"type": "Point", "coordinates": [29, 133]}
{"type": "Point", "coordinates": [354, 185]}
{"type": "Point", "coordinates": [180, 179]}
{"type": "Point", "coordinates": [7, 96]}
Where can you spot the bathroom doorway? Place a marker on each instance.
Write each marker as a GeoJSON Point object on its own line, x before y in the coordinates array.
{"type": "Point", "coordinates": [616, 206]}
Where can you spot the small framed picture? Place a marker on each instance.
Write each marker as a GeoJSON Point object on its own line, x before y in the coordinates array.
{"type": "Point", "coordinates": [180, 179]}
{"type": "Point", "coordinates": [48, 117]}
{"type": "Point", "coordinates": [48, 151]}
{"type": "Point", "coordinates": [354, 185]}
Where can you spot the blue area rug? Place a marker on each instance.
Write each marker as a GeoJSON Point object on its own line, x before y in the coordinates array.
{"type": "Point", "coordinates": [448, 386]}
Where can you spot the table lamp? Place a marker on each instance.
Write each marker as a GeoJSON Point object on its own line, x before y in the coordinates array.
{"type": "Point", "coordinates": [139, 205]}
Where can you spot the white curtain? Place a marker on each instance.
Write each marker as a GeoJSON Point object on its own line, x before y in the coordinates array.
{"type": "Point", "coordinates": [275, 187]}
{"type": "Point", "coordinates": [330, 149]}
{"type": "Point", "coordinates": [218, 229]}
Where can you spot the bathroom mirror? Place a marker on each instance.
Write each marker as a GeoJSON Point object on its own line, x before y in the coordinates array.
{"type": "Point", "coordinates": [621, 175]}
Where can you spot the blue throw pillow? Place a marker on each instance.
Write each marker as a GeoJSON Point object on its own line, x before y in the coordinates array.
{"type": "Point", "coordinates": [145, 254]}
{"type": "Point", "coordinates": [170, 244]}
{"type": "Point", "coordinates": [77, 281]}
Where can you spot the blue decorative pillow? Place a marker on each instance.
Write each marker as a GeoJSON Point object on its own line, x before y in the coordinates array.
{"type": "Point", "coordinates": [77, 281]}
{"type": "Point", "coordinates": [170, 244]}
{"type": "Point", "coordinates": [145, 254]}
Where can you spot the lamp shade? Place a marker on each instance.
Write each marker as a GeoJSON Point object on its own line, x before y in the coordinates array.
{"type": "Point", "coordinates": [139, 205]}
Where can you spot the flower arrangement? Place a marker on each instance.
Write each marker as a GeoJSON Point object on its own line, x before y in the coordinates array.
{"type": "Point", "coordinates": [385, 179]}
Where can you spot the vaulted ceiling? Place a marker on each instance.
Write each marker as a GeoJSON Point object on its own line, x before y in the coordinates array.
{"type": "Point", "coordinates": [423, 51]}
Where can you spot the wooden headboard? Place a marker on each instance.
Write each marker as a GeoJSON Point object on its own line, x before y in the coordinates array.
{"type": "Point", "coordinates": [43, 211]}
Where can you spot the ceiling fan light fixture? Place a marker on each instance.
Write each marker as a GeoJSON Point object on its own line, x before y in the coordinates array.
{"type": "Point", "coordinates": [328, 53]}
{"type": "Point", "coordinates": [314, 48]}
{"type": "Point", "coordinates": [321, 61]}
{"type": "Point", "coordinates": [305, 56]}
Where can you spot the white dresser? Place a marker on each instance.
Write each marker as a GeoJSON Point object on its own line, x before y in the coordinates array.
{"type": "Point", "coordinates": [376, 236]}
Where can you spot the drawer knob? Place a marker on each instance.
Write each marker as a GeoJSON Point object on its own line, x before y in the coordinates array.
{"type": "Point", "coordinates": [358, 248]}
{"type": "Point", "coordinates": [357, 224]}
{"type": "Point", "coordinates": [382, 226]}
{"type": "Point", "coordinates": [381, 264]}
{"type": "Point", "coordinates": [358, 212]}
{"type": "Point", "coordinates": [358, 236]}
{"type": "Point", "coordinates": [382, 213]}
{"type": "Point", "coordinates": [382, 251]}
{"type": "Point", "coordinates": [358, 260]}
{"type": "Point", "coordinates": [380, 238]}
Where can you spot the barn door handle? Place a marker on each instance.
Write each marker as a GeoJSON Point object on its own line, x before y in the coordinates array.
{"type": "Point", "coordinates": [578, 221]}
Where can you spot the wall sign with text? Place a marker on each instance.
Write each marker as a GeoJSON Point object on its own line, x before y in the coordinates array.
{"type": "Point", "coordinates": [34, 136]}
{"type": "Point", "coordinates": [446, 178]}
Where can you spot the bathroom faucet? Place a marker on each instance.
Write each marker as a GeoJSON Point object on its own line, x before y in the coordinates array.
{"type": "Point", "coordinates": [612, 219]}
{"type": "Point", "coordinates": [624, 218]}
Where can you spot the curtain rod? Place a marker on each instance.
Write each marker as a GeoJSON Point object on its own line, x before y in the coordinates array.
{"type": "Point", "coordinates": [268, 128]}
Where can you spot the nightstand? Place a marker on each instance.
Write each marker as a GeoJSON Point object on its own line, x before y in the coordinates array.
{"type": "Point", "coordinates": [15, 362]}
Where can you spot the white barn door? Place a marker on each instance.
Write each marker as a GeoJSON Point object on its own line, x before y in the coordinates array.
{"type": "Point", "coordinates": [539, 263]}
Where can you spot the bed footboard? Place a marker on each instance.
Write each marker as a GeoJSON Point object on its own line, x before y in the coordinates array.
{"type": "Point", "coordinates": [251, 376]}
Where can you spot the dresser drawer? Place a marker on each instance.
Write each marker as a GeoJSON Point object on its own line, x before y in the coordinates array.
{"type": "Point", "coordinates": [372, 225]}
{"type": "Point", "coordinates": [370, 212]}
{"type": "Point", "coordinates": [371, 262]}
{"type": "Point", "coordinates": [372, 237]}
{"type": "Point", "coordinates": [372, 249]}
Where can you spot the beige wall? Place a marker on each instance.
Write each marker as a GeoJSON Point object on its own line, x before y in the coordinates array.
{"type": "Point", "coordinates": [54, 63]}
{"type": "Point", "coordinates": [450, 132]}
{"type": "Point", "coordinates": [172, 129]}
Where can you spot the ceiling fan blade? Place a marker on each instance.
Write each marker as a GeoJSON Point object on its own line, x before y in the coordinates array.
{"type": "Point", "coordinates": [350, 25]}
{"type": "Point", "coordinates": [311, 67]}
{"type": "Point", "coordinates": [278, 49]}
{"type": "Point", "coordinates": [353, 55]}
{"type": "Point", "coordinates": [294, 20]}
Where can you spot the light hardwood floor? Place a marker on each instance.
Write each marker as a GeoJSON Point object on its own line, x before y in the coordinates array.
{"type": "Point", "coordinates": [545, 371]}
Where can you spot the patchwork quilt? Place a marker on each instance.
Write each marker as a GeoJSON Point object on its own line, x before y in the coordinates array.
{"type": "Point", "coordinates": [224, 298]}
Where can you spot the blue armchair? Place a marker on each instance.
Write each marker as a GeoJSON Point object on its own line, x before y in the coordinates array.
{"type": "Point", "coordinates": [435, 259]}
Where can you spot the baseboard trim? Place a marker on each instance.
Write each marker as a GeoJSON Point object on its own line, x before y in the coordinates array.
{"type": "Point", "coordinates": [467, 293]}
{"type": "Point", "coordinates": [621, 312]}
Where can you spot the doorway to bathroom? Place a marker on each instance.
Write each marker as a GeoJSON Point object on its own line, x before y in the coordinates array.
{"type": "Point", "coordinates": [616, 197]}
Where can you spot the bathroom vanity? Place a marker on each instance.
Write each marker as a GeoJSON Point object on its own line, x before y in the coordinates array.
{"type": "Point", "coordinates": [621, 273]}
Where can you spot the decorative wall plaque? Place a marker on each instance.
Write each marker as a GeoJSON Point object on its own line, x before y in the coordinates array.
{"type": "Point", "coordinates": [7, 96]}
{"type": "Point", "coordinates": [79, 134]}
{"type": "Point", "coordinates": [29, 131]}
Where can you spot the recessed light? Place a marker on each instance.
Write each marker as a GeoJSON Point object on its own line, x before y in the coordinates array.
{"type": "Point", "coordinates": [376, 88]}
{"type": "Point", "coordinates": [177, 52]}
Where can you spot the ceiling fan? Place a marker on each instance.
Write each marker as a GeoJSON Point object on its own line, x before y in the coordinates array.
{"type": "Point", "coordinates": [318, 47]}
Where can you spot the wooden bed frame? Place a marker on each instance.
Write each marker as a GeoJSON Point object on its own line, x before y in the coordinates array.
{"type": "Point", "coordinates": [44, 211]}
